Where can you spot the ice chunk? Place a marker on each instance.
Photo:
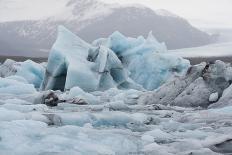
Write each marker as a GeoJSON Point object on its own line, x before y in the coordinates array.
{"type": "Point", "coordinates": [195, 88]}
{"type": "Point", "coordinates": [154, 148]}
{"type": "Point", "coordinates": [9, 86]}
{"type": "Point", "coordinates": [225, 100]}
{"type": "Point", "coordinates": [8, 115]}
{"type": "Point", "coordinates": [213, 97]}
{"type": "Point", "coordinates": [159, 136]}
{"type": "Point", "coordinates": [17, 102]}
{"type": "Point", "coordinates": [47, 97]}
{"type": "Point", "coordinates": [17, 78]}
{"type": "Point", "coordinates": [63, 140]}
{"type": "Point", "coordinates": [196, 94]}
{"type": "Point", "coordinates": [147, 60]}
{"type": "Point", "coordinates": [153, 70]}
{"type": "Point", "coordinates": [107, 118]}
{"type": "Point", "coordinates": [7, 68]}
{"type": "Point", "coordinates": [79, 93]}
{"type": "Point", "coordinates": [30, 71]}
{"type": "Point", "coordinates": [24, 108]}
{"type": "Point", "coordinates": [167, 93]}
{"type": "Point", "coordinates": [115, 106]}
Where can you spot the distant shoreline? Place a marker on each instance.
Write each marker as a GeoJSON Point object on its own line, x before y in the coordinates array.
{"type": "Point", "coordinates": [197, 60]}
{"type": "Point", "coordinates": [23, 58]}
{"type": "Point", "coordinates": [193, 60]}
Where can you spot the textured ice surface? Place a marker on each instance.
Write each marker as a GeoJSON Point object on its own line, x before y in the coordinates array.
{"type": "Point", "coordinates": [32, 72]}
{"type": "Point", "coordinates": [10, 86]}
{"type": "Point", "coordinates": [114, 62]}
{"type": "Point", "coordinates": [147, 60]}
{"type": "Point", "coordinates": [110, 128]}
{"type": "Point", "coordinates": [28, 70]}
{"type": "Point", "coordinates": [226, 98]}
{"type": "Point", "coordinates": [196, 87]}
{"type": "Point", "coordinates": [7, 69]}
{"type": "Point", "coordinates": [79, 93]}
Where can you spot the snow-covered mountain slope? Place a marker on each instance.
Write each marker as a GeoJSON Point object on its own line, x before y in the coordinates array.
{"type": "Point", "coordinates": [91, 19]}
{"type": "Point", "coordinates": [213, 50]}
{"type": "Point", "coordinates": [164, 12]}
{"type": "Point", "coordinates": [18, 10]}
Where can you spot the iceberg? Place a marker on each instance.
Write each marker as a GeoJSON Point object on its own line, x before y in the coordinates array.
{"type": "Point", "coordinates": [32, 72]}
{"type": "Point", "coordinates": [73, 62]}
{"type": "Point", "coordinates": [147, 60]}
{"type": "Point", "coordinates": [114, 62]}
{"type": "Point", "coordinates": [7, 68]}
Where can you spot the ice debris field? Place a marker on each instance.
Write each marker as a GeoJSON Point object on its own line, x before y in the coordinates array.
{"type": "Point", "coordinates": [115, 96]}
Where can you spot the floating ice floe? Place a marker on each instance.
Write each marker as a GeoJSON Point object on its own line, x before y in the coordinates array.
{"type": "Point", "coordinates": [114, 62]}
{"type": "Point", "coordinates": [28, 70]}
{"type": "Point", "coordinates": [9, 86]}
{"type": "Point", "coordinates": [148, 62]}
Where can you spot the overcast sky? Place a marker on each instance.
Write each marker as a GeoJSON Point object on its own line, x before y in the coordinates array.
{"type": "Point", "coordinates": [200, 13]}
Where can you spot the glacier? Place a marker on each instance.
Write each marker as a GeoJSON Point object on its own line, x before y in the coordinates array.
{"type": "Point", "coordinates": [114, 62]}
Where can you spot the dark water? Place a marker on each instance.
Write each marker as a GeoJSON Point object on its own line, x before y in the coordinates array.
{"type": "Point", "coordinates": [197, 60]}
{"type": "Point", "coordinates": [21, 58]}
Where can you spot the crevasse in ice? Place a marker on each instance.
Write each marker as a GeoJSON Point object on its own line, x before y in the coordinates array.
{"type": "Point", "coordinates": [114, 62]}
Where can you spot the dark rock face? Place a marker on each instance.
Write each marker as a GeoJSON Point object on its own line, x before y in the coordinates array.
{"type": "Point", "coordinates": [193, 89]}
